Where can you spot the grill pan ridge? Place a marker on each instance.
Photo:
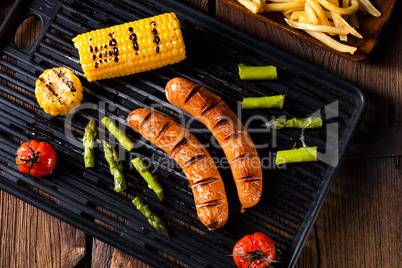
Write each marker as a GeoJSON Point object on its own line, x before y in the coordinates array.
{"type": "Point", "coordinates": [84, 198]}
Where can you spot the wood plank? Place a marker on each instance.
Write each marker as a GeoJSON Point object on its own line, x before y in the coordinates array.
{"type": "Point", "coordinates": [32, 238]}
{"type": "Point", "coordinates": [360, 222]}
{"type": "Point", "coordinates": [105, 255]}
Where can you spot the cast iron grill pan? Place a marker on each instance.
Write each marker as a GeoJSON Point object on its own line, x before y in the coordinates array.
{"type": "Point", "coordinates": [85, 198]}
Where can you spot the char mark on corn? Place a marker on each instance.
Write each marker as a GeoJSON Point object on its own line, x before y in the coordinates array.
{"type": "Point", "coordinates": [129, 48]}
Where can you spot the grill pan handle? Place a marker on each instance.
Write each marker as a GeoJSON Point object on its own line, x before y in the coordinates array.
{"type": "Point", "coordinates": [45, 10]}
{"type": "Point", "coordinates": [10, 24]}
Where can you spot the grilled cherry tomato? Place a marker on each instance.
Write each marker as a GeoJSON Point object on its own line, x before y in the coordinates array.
{"type": "Point", "coordinates": [254, 251]}
{"type": "Point", "coordinates": [36, 158]}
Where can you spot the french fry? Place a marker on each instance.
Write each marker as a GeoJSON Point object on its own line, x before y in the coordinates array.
{"type": "Point", "coordinates": [285, 1]}
{"type": "Point", "coordinates": [319, 12]}
{"type": "Point", "coordinates": [332, 43]}
{"type": "Point", "coordinates": [316, 28]}
{"type": "Point", "coordinates": [283, 6]}
{"type": "Point", "coordinates": [304, 19]}
{"type": "Point", "coordinates": [368, 6]}
{"type": "Point", "coordinates": [310, 13]}
{"type": "Point", "coordinates": [338, 18]}
{"type": "Point", "coordinates": [259, 2]}
{"type": "Point", "coordinates": [336, 21]}
{"type": "Point", "coordinates": [342, 10]}
{"type": "Point", "coordinates": [321, 18]}
{"type": "Point", "coordinates": [250, 5]}
{"type": "Point", "coordinates": [287, 13]}
{"type": "Point", "coordinates": [296, 15]}
{"type": "Point", "coordinates": [342, 37]}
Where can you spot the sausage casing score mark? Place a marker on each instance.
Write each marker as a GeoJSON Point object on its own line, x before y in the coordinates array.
{"type": "Point", "coordinates": [234, 139]}
{"type": "Point", "coordinates": [197, 164]}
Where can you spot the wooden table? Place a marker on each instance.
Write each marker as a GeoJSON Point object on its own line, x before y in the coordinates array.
{"type": "Point", "coordinates": [360, 223]}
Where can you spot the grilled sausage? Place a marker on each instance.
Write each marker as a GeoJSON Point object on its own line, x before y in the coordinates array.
{"type": "Point", "coordinates": [235, 141]}
{"type": "Point", "coordinates": [199, 167]}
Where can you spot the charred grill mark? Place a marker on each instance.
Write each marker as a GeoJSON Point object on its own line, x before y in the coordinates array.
{"type": "Point", "coordinates": [194, 160]}
{"type": "Point", "coordinates": [49, 87]}
{"type": "Point", "coordinates": [204, 182]}
{"type": "Point", "coordinates": [210, 107]}
{"type": "Point", "coordinates": [223, 121]}
{"type": "Point", "coordinates": [63, 79]}
{"type": "Point", "coordinates": [113, 42]}
{"type": "Point", "coordinates": [135, 45]}
{"type": "Point", "coordinates": [157, 40]}
{"type": "Point", "coordinates": [243, 157]}
{"type": "Point", "coordinates": [192, 93]}
{"type": "Point", "coordinates": [211, 203]}
{"type": "Point", "coordinates": [179, 145]}
{"type": "Point", "coordinates": [250, 178]}
{"type": "Point", "coordinates": [57, 72]}
{"type": "Point", "coordinates": [233, 136]}
{"type": "Point", "coordinates": [146, 118]}
{"type": "Point", "coordinates": [133, 37]}
{"type": "Point", "coordinates": [163, 130]}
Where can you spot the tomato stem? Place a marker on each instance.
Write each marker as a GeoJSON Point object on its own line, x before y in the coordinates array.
{"type": "Point", "coordinates": [32, 159]}
{"type": "Point", "coordinates": [255, 255]}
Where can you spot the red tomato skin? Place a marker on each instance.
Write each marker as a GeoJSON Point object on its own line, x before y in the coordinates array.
{"type": "Point", "coordinates": [251, 242]}
{"type": "Point", "coordinates": [46, 162]}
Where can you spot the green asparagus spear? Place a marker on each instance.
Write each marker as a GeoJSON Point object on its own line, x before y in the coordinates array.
{"type": "Point", "coordinates": [257, 72]}
{"type": "Point", "coordinates": [120, 136]}
{"type": "Point", "coordinates": [263, 102]}
{"type": "Point", "coordinates": [304, 154]}
{"type": "Point", "coordinates": [153, 219]}
{"type": "Point", "coordinates": [116, 167]}
{"type": "Point", "coordinates": [88, 142]}
{"type": "Point", "coordinates": [309, 122]}
{"type": "Point", "coordinates": [152, 181]}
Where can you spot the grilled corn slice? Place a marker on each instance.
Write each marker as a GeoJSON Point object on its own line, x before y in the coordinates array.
{"type": "Point", "coordinates": [129, 48]}
{"type": "Point", "coordinates": [58, 91]}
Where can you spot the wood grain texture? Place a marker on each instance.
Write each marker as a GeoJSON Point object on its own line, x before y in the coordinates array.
{"type": "Point", "coordinates": [105, 256]}
{"type": "Point", "coordinates": [32, 238]}
{"type": "Point", "coordinates": [360, 223]}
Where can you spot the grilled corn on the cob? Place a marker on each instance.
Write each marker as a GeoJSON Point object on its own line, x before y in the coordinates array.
{"type": "Point", "coordinates": [129, 48]}
{"type": "Point", "coordinates": [58, 91]}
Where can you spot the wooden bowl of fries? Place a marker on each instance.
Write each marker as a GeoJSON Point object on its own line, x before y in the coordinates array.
{"type": "Point", "coordinates": [349, 28]}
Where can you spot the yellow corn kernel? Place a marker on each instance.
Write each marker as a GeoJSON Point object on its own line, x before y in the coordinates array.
{"type": "Point", "coordinates": [132, 47]}
{"type": "Point", "coordinates": [58, 91]}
